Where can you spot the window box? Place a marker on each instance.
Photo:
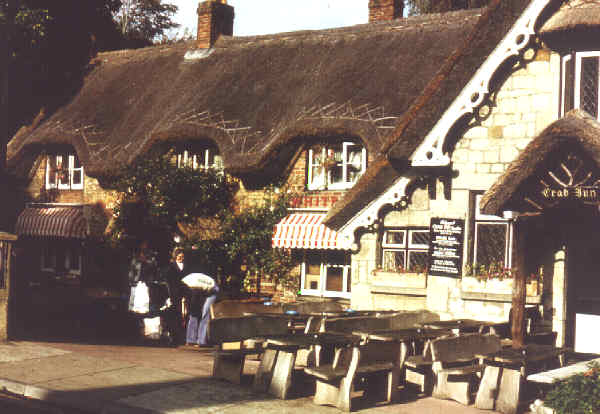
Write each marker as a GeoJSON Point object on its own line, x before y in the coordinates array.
{"type": "Point", "coordinates": [403, 280]}
{"type": "Point", "coordinates": [497, 286]}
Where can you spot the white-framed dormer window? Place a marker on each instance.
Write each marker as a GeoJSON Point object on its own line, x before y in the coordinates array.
{"type": "Point", "coordinates": [492, 239]}
{"type": "Point", "coordinates": [335, 166]}
{"type": "Point", "coordinates": [64, 172]}
{"type": "Point", "coordinates": [405, 249]}
{"type": "Point", "coordinates": [326, 273]}
{"type": "Point", "coordinates": [200, 158]}
{"type": "Point", "coordinates": [580, 83]}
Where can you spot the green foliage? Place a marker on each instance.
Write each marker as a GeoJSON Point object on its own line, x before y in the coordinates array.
{"type": "Point", "coordinates": [579, 394]}
{"type": "Point", "coordinates": [143, 21]}
{"type": "Point", "coordinates": [416, 7]}
{"type": "Point", "coordinates": [247, 240]}
{"type": "Point", "coordinates": [155, 195]}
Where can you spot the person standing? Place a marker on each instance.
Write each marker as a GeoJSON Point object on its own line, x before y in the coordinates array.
{"type": "Point", "coordinates": [197, 330]}
{"type": "Point", "coordinates": [173, 274]}
{"type": "Point", "coordinates": [143, 267]}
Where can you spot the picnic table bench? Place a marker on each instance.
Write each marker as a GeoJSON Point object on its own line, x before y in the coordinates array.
{"type": "Point", "coordinates": [455, 363]}
{"type": "Point", "coordinates": [229, 360]}
{"type": "Point", "coordinates": [502, 382]}
{"type": "Point", "coordinates": [274, 373]}
{"type": "Point", "coordinates": [375, 362]}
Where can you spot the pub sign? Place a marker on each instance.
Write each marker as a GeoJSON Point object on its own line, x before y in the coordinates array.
{"type": "Point", "coordinates": [446, 247]}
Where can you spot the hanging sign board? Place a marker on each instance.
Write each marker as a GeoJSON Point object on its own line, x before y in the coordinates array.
{"type": "Point", "coordinates": [582, 193]}
{"type": "Point", "coordinates": [446, 247]}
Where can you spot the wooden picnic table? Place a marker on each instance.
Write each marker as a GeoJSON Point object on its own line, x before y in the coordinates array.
{"type": "Point", "coordinates": [505, 370]}
{"type": "Point", "coordinates": [402, 335]}
{"type": "Point", "coordinates": [462, 325]}
{"type": "Point", "coordinates": [274, 373]}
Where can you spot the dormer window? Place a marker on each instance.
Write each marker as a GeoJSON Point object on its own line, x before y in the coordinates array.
{"type": "Point", "coordinates": [581, 82]}
{"type": "Point", "coordinates": [64, 172]}
{"type": "Point", "coordinates": [199, 158]}
{"type": "Point", "coordinates": [335, 166]}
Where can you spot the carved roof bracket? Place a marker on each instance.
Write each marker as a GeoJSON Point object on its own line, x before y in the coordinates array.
{"type": "Point", "coordinates": [430, 153]}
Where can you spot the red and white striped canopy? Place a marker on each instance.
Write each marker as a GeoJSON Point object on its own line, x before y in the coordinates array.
{"type": "Point", "coordinates": [67, 222]}
{"type": "Point", "coordinates": [305, 231]}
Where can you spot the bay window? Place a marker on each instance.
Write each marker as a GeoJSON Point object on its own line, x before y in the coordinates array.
{"type": "Point", "coordinates": [405, 250]}
{"type": "Point", "coordinates": [64, 172]}
{"type": "Point", "coordinates": [326, 273]}
{"type": "Point", "coordinates": [335, 166]}
{"type": "Point", "coordinates": [580, 83]}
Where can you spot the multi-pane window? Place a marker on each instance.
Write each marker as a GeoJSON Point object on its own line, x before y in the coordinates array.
{"type": "Point", "coordinates": [581, 83]}
{"type": "Point", "coordinates": [326, 273]}
{"type": "Point", "coordinates": [200, 158]}
{"type": "Point", "coordinates": [405, 250]}
{"type": "Point", "coordinates": [492, 239]}
{"type": "Point", "coordinates": [58, 258]}
{"type": "Point", "coordinates": [335, 166]}
{"type": "Point", "coordinates": [64, 172]}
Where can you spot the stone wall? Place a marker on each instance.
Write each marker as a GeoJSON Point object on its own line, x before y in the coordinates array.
{"type": "Point", "coordinates": [525, 104]}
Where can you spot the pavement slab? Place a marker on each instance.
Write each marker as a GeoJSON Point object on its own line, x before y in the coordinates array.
{"type": "Point", "coordinates": [42, 370]}
{"type": "Point", "coordinates": [21, 351]}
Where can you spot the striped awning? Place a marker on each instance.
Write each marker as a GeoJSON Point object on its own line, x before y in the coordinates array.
{"type": "Point", "coordinates": [305, 231]}
{"type": "Point", "coordinates": [67, 222]}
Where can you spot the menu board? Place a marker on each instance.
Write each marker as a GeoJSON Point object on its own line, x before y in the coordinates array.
{"type": "Point", "coordinates": [446, 247]}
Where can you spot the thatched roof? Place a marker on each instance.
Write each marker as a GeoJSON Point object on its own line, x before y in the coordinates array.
{"type": "Point", "coordinates": [257, 98]}
{"type": "Point", "coordinates": [453, 73]}
{"type": "Point", "coordinates": [575, 24]}
{"type": "Point", "coordinates": [577, 130]}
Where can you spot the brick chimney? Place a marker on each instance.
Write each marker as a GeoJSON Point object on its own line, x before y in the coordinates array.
{"type": "Point", "coordinates": [380, 10]}
{"type": "Point", "coordinates": [215, 18]}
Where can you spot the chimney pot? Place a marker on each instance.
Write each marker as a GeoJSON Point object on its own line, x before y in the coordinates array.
{"type": "Point", "coordinates": [215, 18]}
{"type": "Point", "coordinates": [380, 10]}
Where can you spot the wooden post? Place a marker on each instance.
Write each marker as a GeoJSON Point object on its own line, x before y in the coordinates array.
{"type": "Point", "coordinates": [519, 284]}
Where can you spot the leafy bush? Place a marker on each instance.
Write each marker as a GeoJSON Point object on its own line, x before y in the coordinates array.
{"type": "Point", "coordinates": [579, 394]}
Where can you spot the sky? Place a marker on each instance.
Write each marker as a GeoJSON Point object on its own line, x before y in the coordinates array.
{"type": "Point", "coordinates": [254, 17]}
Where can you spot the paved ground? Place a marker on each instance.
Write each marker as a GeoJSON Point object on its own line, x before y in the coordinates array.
{"type": "Point", "coordinates": [119, 378]}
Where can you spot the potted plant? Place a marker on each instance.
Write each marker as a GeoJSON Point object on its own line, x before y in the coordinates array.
{"type": "Point", "coordinates": [578, 394]}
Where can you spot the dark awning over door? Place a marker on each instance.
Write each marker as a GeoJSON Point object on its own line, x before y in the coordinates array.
{"type": "Point", "coordinates": [66, 222]}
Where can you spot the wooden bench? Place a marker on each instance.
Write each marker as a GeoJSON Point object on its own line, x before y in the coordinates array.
{"type": "Point", "coordinates": [455, 364]}
{"type": "Point", "coordinates": [314, 307]}
{"type": "Point", "coordinates": [376, 363]}
{"type": "Point", "coordinates": [229, 359]}
{"type": "Point", "coordinates": [236, 309]}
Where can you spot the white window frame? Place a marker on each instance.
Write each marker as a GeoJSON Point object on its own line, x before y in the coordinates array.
{"type": "Point", "coordinates": [487, 219]}
{"type": "Point", "coordinates": [57, 183]}
{"type": "Point", "coordinates": [48, 254]}
{"type": "Point", "coordinates": [322, 292]}
{"type": "Point", "coordinates": [184, 157]}
{"type": "Point", "coordinates": [70, 254]}
{"type": "Point", "coordinates": [326, 183]}
{"type": "Point", "coordinates": [407, 246]}
{"type": "Point", "coordinates": [577, 80]}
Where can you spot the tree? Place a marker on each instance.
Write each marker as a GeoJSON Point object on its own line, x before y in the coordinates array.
{"type": "Point", "coordinates": [439, 6]}
{"type": "Point", "coordinates": [156, 196]}
{"type": "Point", "coordinates": [142, 21]}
